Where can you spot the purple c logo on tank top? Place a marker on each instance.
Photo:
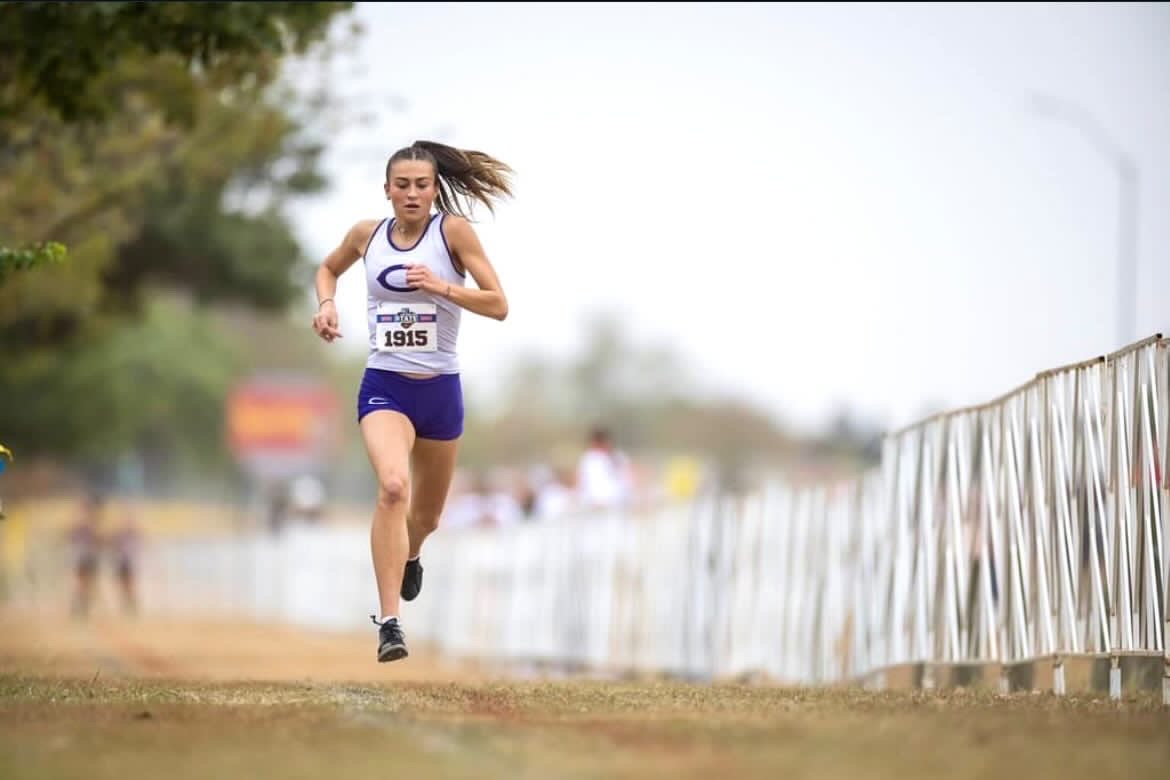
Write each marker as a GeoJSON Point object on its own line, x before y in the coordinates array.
{"type": "Point", "coordinates": [382, 279]}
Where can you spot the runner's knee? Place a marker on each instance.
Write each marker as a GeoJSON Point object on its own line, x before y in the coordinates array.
{"type": "Point", "coordinates": [393, 490]}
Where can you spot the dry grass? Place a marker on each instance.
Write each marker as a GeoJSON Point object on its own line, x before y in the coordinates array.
{"type": "Point", "coordinates": [81, 702]}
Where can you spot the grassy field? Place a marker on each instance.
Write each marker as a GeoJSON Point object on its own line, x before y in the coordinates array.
{"type": "Point", "coordinates": [202, 699]}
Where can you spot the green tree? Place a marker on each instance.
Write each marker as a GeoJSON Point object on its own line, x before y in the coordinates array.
{"type": "Point", "coordinates": [168, 221]}
{"type": "Point", "coordinates": [83, 68]}
{"type": "Point", "coordinates": [119, 348]}
{"type": "Point", "coordinates": [46, 253]}
{"type": "Point", "coordinates": [60, 56]}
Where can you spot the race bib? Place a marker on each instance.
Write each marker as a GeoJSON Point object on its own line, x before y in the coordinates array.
{"type": "Point", "coordinates": [406, 327]}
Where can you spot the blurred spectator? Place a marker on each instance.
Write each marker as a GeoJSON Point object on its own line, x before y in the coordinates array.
{"type": "Point", "coordinates": [467, 505]}
{"type": "Point", "coordinates": [5, 456]}
{"type": "Point", "coordinates": [682, 478]}
{"type": "Point", "coordinates": [307, 498]}
{"type": "Point", "coordinates": [276, 506]}
{"type": "Point", "coordinates": [502, 503]}
{"type": "Point", "coordinates": [555, 494]}
{"type": "Point", "coordinates": [525, 494]}
{"type": "Point", "coordinates": [125, 545]}
{"type": "Point", "coordinates": [85, 542]}
{"type": "Point", "coordinates": [604, 478]}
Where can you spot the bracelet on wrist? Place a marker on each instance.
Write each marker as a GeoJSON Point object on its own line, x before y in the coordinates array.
{"type": "Point", "coordinates": [322, 303]}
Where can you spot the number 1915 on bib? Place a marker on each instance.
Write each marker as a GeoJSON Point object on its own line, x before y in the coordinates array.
{"type": "Point", "coordinates": [403, 327]}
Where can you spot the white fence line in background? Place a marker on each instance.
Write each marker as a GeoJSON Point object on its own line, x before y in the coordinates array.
{"type": "Point", "coordinates": [1032, 526]}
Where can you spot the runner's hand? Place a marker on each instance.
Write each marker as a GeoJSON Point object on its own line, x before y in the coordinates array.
{"type": "Point", "coordinates": [418, 275]}
{"type": "Point", "coordinates": [325, 322]}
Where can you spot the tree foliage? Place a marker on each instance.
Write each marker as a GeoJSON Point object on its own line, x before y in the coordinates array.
{"type": "Point", "coordinates": [166, 174]}
{"type": "Point", "coordinates": [60, 57]}
{"type": "Point", "coordinates": [129, 78]}
{"type": "Point", "coordinates": [45, 253]}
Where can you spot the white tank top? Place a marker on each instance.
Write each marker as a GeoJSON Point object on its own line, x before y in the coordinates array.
{"type": "Point", "coordinates": [386, 286]}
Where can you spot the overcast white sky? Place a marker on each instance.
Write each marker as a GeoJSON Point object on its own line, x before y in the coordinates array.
{"type": "Point", "coordinates": [816, 205]}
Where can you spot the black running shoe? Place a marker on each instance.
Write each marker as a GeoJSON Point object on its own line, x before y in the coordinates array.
{"type": "Point", "coordinates": [411, 580]}
{"type": "Point", "coordinates": [391, 643]}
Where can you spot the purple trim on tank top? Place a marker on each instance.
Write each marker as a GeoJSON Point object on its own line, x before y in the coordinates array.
{"type": "Point", "coordinates": [390, 232]}
{"type": "Point", "coordinates": [450, 257]}
{"type": "Point", "coordinates": [367, 249]}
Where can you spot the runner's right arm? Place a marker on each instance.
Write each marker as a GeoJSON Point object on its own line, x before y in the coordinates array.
{"type": "Point", "coordinates": [333, 266]}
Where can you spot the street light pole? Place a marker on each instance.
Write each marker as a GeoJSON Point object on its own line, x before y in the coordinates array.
{"type": "Point", "coordinates": [1127, 227]}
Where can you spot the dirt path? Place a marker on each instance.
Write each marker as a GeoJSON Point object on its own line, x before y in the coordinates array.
{"type": "Point", "coordinates": [205, 649]}
{"type": "Point", "coordinates": [180, 699]}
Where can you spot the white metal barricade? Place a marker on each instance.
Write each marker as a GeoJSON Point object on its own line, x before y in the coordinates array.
{"type": "Point", "coordinates": [1033, 526]}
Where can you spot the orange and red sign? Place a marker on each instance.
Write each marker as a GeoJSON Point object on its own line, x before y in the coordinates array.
{"type": "Point", "coordinates": [283, 419]}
